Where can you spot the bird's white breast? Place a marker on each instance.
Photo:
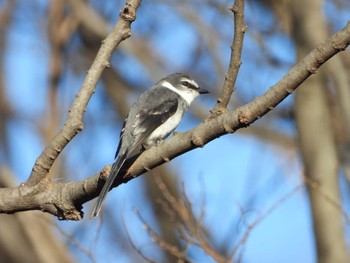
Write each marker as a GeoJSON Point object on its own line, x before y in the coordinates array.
{"type": "Point", "coordinates": [164, 130]}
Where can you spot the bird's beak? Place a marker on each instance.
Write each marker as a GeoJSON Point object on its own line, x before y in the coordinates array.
{"type": "Point", "coordinates": [202, 91]}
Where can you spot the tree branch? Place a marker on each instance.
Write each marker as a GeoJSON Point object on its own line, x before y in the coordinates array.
{"type": "Point", "coordinates": [235, 60]}
{"type": "Point", "coordinates": [35, 192]}
{"type": "Point", "coordinates": [216, 126]}
{"type": "Point", "coordinates": [74, 123]}
{"type": "Point", "coordinates": [65, 200]}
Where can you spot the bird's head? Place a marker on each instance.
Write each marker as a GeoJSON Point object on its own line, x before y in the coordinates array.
{"type": "Point", "coordinates": [184, 85]}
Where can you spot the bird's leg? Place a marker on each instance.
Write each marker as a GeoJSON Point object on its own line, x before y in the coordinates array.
{"type": "Point", "coordinates": [155, 143]}
{"type": "Point", "coordinates": [159, 141]}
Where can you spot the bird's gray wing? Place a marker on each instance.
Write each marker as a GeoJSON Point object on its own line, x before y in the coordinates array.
{"type": "Point", "coordinates": [147, 120]}
{"type": "Point", "coordinates": [158, 105]}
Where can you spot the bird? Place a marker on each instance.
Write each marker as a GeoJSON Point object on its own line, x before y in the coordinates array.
{"type": "Point", "coordinates": [152, 118]}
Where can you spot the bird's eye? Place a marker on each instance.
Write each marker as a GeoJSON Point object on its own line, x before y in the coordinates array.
{"type": "Point", "coordinates": [185, 83]}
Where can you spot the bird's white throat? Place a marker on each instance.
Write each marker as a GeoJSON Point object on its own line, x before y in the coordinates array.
{"type": "Point", "coordinates": [188, 95]}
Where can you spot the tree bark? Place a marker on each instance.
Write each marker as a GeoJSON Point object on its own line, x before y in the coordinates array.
{"type": "Point", "coordinates": [316, 138]}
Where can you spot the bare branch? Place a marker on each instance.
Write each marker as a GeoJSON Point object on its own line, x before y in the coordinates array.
{"type": "Point", "coordinates": [190, 228]}
{"type": "Point", "coordinates": [39, 181]}
{"type": "Point", "coordinates": [216, 126]}
{"type": "Point", "coordinates": [65, 200]}
{"type": "Point", "coordinates": [312, 183]}
{"type": "Point", "coordinates": [235, 60]}
{"type": "Point", "coordinates": [173, 250]}
{"type": "Point", "coordinates": [260, 218]}
{"type": "Point", "coordinates": [74, 123]}
{"type": "Point", "coordinates": [135, 246]}
{"type": "Point", "coordinates": [74, 241]}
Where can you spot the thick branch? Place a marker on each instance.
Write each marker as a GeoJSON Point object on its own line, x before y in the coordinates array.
{"type": "Point", "coordinates": [74, 123]}
{"type": "Point", "coordinates": [65, 200]}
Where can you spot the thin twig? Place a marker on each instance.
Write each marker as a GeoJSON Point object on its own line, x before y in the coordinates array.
{"type": "Point", "coordinates": [134, 245]}
{"type": "Point", "coordinates": [71, 239]}
{"type": "Point", "coordinates": [173, 250]}
{"type": "Point", "coordinates": [314, 185]}
{"type": "Point", "coordinates": [258, 220]}
{"type": "Point", "coordinates": [189, 227]}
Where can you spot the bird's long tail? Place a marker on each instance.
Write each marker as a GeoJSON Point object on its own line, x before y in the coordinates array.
{"type": "Point", "coordinates": [113, 174]}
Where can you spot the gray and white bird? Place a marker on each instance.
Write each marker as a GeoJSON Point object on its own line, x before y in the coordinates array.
{"type": "Point", "coordinates": [153, 117]}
